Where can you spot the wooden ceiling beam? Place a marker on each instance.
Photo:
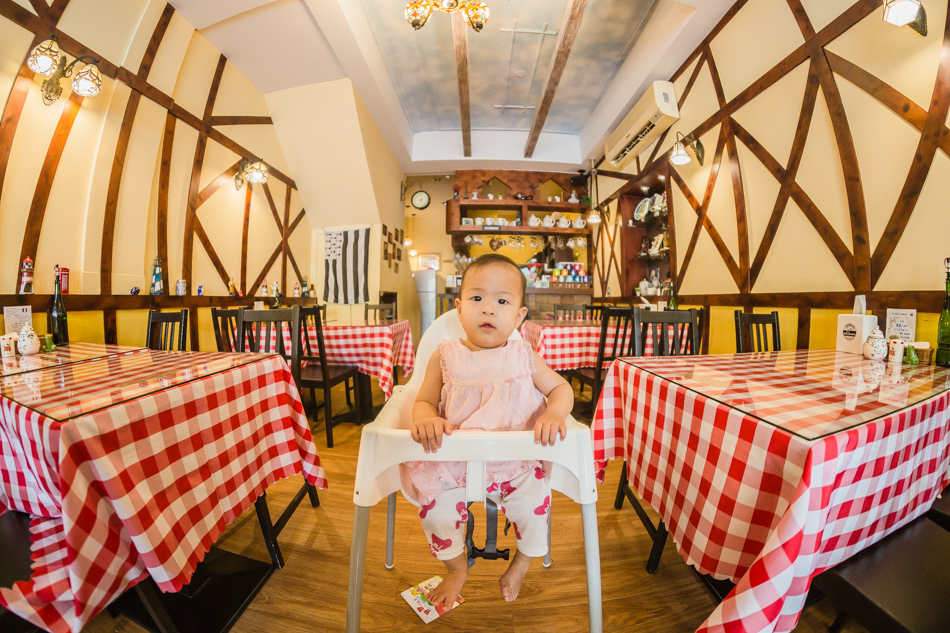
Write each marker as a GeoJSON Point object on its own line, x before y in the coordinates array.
{"type": "Point", "coordinates": [565, 42]}
{"type": "Point", "coordinates": [460, 39]}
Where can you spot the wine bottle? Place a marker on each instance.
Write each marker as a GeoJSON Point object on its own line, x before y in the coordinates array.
{"type": "Point", "coordinates": [943, 326]}
{"type": "Point", "coordinates": [672, 305]}
{"type": "Point", "coordinates": [57, 315]}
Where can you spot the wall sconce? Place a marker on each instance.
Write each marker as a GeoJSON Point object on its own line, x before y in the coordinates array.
{"type": "Point", "coordinates": [679, 155]}
{"type": "Point", "coordinates": [250, 171]}
{"type": "Point", "coordinates": [594, 216]}
{"type": "Point", "coordinates": [906, 13]}
{"type": "Point", "coordinates": [408, 241]}
{"type": "Point", "coordinates": [45, 60]}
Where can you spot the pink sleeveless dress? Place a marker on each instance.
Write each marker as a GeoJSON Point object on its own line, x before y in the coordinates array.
{"type": "Point", "coordinates": [490, 390]}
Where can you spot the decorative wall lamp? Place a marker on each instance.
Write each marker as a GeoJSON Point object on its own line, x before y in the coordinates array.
{"type": "Point", "coordinates": [418, 11]}
{"type": "Point", "coordinates": [250, 171]}
{"type": "Point", "coordinates": [679, 155]}
{"type": "Point", "coordinates": [45, 59]}
{"type": "Point", "coordinates": [906, 13]}
{"type": "Point", "coordinates": [408, 241]}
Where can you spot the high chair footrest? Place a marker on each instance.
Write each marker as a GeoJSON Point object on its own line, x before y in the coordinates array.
{"type": "Point", "coordinates": [475, 552]}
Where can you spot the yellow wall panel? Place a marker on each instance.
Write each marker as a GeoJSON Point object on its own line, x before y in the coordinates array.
{"type": "Point", "coordinates": [722, 329]}
{"type": "Point", "coordinates": [183, 156]}
{"type": "Point", "coordinates": [131, 327]}
{"type": "Point", "coordinates": [707, 272]}
{"type": "Point", "coordinates": [16, 46]}
{"type": "Point", "coordinates": [746, 48]}
{"type": "Point", "coordinates": [772, 117]}
{"type": "Point", "coordinates": [898, 56]}
{"type": "Point", "coordinates": [917, 262]}
{"type": "Point", "coordinates": [821, 175]}
{"type": "Point", "coordinates": [206, 340]}
{"type": "Point", "coordinates": [679, 84]}
{"type": "Point", "coordinates": [194, 78]}
{"type": "Point", "coordinates": [218, 159]}
{"type": "Point", "coordinates": [203, 274]}
{"type": "Point", "coordinates": [222, 218]}
{"type": "Point", "coordinates": [882, 140]}
{"type": "Point", "coordinates": [787, 325]}
{"type": "Point", "coordinates": [683, 220]}
{"type": "Point", "coordinates": [105, 26]}
{"type": "Point", "coordinates": [799, 261]}
{"type": "Point", "coordinates": [823, 328]}
{"type": "Point", "coordinates": [261, 140]}
{"type": "Point", "coordinates": [722, 207]}
{"type": "Point", "coordinates": [86, 327]}
{"type": "Point", "coordinates": [761, 190]}
{"type": "Point", "coordinates": [927, 328]}
{"type": "Point", "coordinates": [238, 96]}
{"type": "Point", "coordinates": [171, 52]}
{"type": "Point", "coordinates": [263, 235]}
{"type": "Point", "coordinates": [822, 12]}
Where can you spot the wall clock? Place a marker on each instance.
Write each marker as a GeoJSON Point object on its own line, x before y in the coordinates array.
{"type": "Point", "coordinates": [420, 199]}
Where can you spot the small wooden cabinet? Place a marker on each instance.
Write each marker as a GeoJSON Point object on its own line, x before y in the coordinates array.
{"type": "Point", "coordinates": [637, 265]}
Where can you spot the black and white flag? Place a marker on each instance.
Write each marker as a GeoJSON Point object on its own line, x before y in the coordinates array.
{"type": "Point", "coordinates": [347, 264]}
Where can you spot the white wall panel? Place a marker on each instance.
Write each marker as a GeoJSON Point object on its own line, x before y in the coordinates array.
{"type": "Point", "coordinates": [104, 26]}
{"type": "Point", "coordinates": [772, 117]}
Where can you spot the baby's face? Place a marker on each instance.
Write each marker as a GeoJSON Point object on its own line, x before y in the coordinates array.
{"type": "Point", "coordinates": [489, 305]}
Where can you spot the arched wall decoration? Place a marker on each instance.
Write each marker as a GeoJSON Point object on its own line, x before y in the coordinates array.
{"type": "Point", "coordinates": [862, 267]}
{"type": "Point", "coordinates": [41, 24]}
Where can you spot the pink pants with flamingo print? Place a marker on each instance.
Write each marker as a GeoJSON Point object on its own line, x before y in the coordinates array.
{"type": "Point", "coordinates": [525, 500]}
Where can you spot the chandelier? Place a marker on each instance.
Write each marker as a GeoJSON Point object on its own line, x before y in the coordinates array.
{"type": "Point", "coordinates": [418, 11]}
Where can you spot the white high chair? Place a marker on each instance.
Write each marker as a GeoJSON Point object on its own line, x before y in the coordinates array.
{"type": "Point", "coordinates": [386, 443]}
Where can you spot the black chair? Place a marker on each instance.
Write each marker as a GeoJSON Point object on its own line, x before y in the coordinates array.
{"type": "Point", "coordinates": [570, 311]}
{"type": "Point", "coordinates": [15, 564]}
{"type": "Point", "coordinates": [225, 328]}
{"type": "Point", "coordinates": [262, 331]}
{"type": "Point", "coordinates": [380, 311]}
{"type": "Point", "coordinates": [672, 333]}
{"type": "Point", "coordinates": [164, 328]}
{"type": "Point", "coordinates": [901, 583]}
{"type": "Point", "coordinates": [619, 336]}
{"type": "Point", "coordinates": [595, 312]}
{"type": "Point", "coordinates": [317, 373]}
{"type": "Point", "coordinates": [444, 301]}
{"type": "Point", "coordinates": [752, 332]}
{"type": "Point", "coordinates": [940, 512]}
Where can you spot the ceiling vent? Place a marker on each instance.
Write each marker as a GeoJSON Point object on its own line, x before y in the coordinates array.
{"type": "Point", "coordinates": [653, 114]}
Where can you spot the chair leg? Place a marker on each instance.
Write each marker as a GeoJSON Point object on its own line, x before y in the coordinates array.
{"type": "Point", "coordinates": [148, 594]}
{"type": "Point", "coordinates": [267, 527]}
{"type": "Point", "coordinates": [358, 396]}
{"type": "Point", "coordinates": [618, 501]}
{"type": "Point", "coordinates": [659, 542]}
{"type": "Point", "coordinates": [349, 390]}
{"type": "Point", "coordinates": [839, 623]}
{"type": "Point", "coordinates": [328, 414]}
{"type": "Point", "coordinates": [546, 561]}
{"type": "Point", "coordinates": [314, 497]}
{"type": "Point", "coordinates": [313, 401]}
{"type": "Point", "coordinates": [592, 562]}
{"type": "Point", "coordinates": [354, 596]}
{"type": "Point", "coordinates": [390, 528]}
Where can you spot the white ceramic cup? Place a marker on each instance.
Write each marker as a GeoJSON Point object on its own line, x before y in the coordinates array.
{"type": "Point", "coordinates": [895, 351]}
{"type": "Point", "coordinates": [479, 221]}
{"type": "Point", "coordinates": [8, 345]}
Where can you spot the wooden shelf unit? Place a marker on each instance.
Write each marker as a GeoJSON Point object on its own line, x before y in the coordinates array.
{"type": "Point", "coordinates": [457, 209]}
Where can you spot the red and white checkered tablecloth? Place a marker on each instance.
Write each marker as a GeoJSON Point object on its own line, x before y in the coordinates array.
{"type": "Point", "coordinates": [133, 465]}
{"type": "Point", "coordinates": [770, 468]}
{"type": "Point", "coordinates": [570, 344]}
{"type": "Point", "coordinates": [63, 355]}
{"type": "Point", "coordinates": [376, 347]}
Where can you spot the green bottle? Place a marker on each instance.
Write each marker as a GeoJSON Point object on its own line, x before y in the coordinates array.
{"type": "Point", "coordinates": [943, 327]}
{"type": "Point", "coordinates": [58, 326]}
{"type": "Point", "coordinates": [672, 304]}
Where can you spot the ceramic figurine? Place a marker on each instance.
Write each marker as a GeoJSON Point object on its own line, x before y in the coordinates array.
{"type": "Point", "coordinates": [264, 288]}
{"type": "Point", "coordinates": [135, 290]}
{"type": "Point", "coordinates": [875, 347]}
{"type": "Point", "coordinates": [297, 289]}
{"type": "Point", "coordinates": [157, 284]}
{"type": "Point", "coordinates": [475, 195]}
{"type": "Point", "coordinates": [910, 356]}
{"type": "Point", "coordinates": [28, 343]}
{"type": "Point", "coordinates": [231, 290]}
{"type": "Point", "coordinates": [26, 277]}
{"type": "Point", "coordinates": [573, 197]}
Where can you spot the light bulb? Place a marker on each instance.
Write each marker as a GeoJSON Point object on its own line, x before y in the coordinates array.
{"type": "Point", "coordinates": [413, 252]}
{"type": "Point", "coordinates": [679, 156]}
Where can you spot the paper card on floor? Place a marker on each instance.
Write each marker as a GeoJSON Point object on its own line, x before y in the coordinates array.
{"type": "Point", "coordinates": [416, 597]}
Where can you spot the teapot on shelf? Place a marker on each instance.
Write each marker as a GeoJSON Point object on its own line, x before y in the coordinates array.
{"type": "Point", "coordinates": [548, 221]}
{"type": "Point", "coordinates": [534, 220]}
{"type": "Point", "coordinates": [564, 223]}
{"type": "Point", "coordinates": [579, 223]}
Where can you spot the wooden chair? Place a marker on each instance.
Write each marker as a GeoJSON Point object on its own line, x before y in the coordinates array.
{"type": "Point", "coordinates": [162, 328]}
{"type": "Point", "coordinates": [619, 336]}
{"type": "Point", "coordinates": [570, 312]}
{"type": "Point", "coordinates": [225, 328]}
{"type": "Point", "coordinates": [261, 331]}
{"type": "Point", "coordinates": [15, 564]}
{"type": "Point", "coordinates": [380, 311]}
{"type": "Point", "coordinates": [752, 332]}
{"type": "Point", "coordinates": [658, 326]}
{"type": "Point", "coordinates": [317, 373]}
{"type": "Point", "coordinates": [444, 301]}
{"type": "Point", "coordinates": [594, 312]}
{"type": "Point", "coordinates": [900, 583]}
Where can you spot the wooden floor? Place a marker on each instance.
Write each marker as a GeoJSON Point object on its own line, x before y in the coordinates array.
{"type": "Point", "coordinates": [310, 593]}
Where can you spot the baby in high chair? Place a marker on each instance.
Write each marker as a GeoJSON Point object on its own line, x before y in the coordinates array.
{"type": "Point", "coordinates": [489, 383]}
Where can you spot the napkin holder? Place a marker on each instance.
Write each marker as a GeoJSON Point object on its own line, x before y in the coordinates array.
{"type": "Point", "coordinates": [854, 328]}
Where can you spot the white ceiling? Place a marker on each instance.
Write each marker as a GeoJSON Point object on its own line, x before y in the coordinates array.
{"type": "Point", "coordinates": [407, 78]}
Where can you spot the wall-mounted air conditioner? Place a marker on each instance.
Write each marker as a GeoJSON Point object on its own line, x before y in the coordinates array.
{"type": "Point", "coordinates": [653, 114]}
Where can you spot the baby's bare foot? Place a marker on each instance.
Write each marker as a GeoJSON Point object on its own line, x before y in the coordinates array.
{"type": "Point", "coordinates": [511, 580]}
{"type": "Point", "coordinates": [452, 582]}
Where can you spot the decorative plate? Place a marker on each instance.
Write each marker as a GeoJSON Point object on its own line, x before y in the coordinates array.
{"type": "Point", "coordinates": [642, 209]}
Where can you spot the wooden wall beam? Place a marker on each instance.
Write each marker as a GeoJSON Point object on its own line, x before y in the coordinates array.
{"type": "Point", "coordinates": [164, 178]}
{"type": "Point", "coordinates": [96, 303]}
{"type": "Point", "coordinates": [804, 328]}
{"type": "Point", "coordinates": [562, 51]}
{"type": "Point", "coordinates": [245, 234]}
{"type": "Point", "coordinates": [460, 42]}
{"type": "Point", "coordinates": [284, 245]}
{"type": "Point", "coordinates": [110, 326]}
{"type": "Point", "coordinates": [240, 120]}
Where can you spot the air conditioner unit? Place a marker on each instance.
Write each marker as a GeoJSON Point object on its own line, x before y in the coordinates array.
{"type": "Point", "coordinates": [653, 114]}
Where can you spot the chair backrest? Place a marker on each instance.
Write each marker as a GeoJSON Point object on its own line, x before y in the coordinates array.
{"type": "Point", "coordinates": [167, 331]}
{"type": "Point", "coordinates": [570, 311]}
{"type": "Point", "coordinates": [752, 332]}
{"type": "Point", "coordinates": [681, 338]}
{"type": "Point", "coordinates": [262, 331]}
{"type": "Point", "coordinates": [225, 328]}
{"type": "Point", "coordinates": [619, 336]}
{"type": "Point", "coordinates": [306, 318]}
{"type": "Point", "coordinates": [380, 311]}
{"type": "Point", "coordinates": [595, 312]}
{"type": "Point", "coordinates": [444, 301]}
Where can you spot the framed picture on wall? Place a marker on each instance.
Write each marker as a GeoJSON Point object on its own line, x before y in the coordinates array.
{"type": "Point", "coordinates": [385, 230]}
{"type": "Point", "coordinates": [399, 254]}
{"type": "Point", "coordinates": [399, 235]}
{"type": "Point", "coordinates": [396, 267]}
{"type": "Point", "coordinates": [385, 254]}
{"type": "Point", "coordinates": [389, 237]}
{"type": "Point", "coordinates": [429, 260]}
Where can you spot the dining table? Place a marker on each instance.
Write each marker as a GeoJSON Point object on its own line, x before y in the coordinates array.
{"type": "Point", "coordinates": [131, 463]}
{"type": "Point", "coordinates": [769, 468]}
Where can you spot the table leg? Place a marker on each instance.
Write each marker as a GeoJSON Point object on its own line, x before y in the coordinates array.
{"type": "Point", "coordinates": [366, 397]}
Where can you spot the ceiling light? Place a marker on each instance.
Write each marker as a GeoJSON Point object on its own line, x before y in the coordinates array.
{"type": "Point", "coordinates": [644, 188]}
{"type": "Point", "coordinates": [906, 12]}
{"type": "Point", "coordinates": [413, 252]}
{"type": "Point", "coordinates": [418, 11]}
{"type": "Point", "coordinates": [250, 171]}
{"type": "Point", "coordinates": [45, 60]}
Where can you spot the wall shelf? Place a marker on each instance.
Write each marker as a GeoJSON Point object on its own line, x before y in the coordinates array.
{"type": "Point", "coordinates": [457, 209]}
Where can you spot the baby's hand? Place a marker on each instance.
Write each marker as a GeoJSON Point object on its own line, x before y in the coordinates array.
{"type": "Point", "coordinates": [548, 428]}
{"type": "Point", "coordinates": [428, 432]}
